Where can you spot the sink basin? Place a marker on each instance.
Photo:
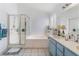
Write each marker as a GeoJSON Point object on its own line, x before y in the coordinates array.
{"type": "Point", "coordinates": [77, 47]}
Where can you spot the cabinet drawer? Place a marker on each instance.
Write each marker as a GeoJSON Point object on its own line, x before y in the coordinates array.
{"type": "Point", "coordinates": [60, 47]}
{"type": "Point", "coordinates": [59, 53]}
{"type": "Point", "coordinates": [69, 53]}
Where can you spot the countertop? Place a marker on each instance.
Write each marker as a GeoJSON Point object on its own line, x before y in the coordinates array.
{"type": "Point", "coordinates": [71, 45]}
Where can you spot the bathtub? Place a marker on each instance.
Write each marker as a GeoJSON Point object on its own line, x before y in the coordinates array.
{"type": "Point", "coordinates": [36, 41]}
{"type": "Point", "coordinates": [36, 37]}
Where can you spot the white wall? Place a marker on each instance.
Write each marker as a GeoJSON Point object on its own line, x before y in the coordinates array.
{"type": "Point", "coordinates": [38, 25]}
{"type": "Point", "coordinates": [64, 17]}
{"type": "Point", "coordinates": [5, 9]}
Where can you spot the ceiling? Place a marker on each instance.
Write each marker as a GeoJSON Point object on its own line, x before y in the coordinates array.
{"type": "Point", "coordinates": [38, 9]}
{"type": "Point", "coordinates": [44, 7]}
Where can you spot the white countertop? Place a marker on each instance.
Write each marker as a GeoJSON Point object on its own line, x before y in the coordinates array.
{"type": "Point", "coordinates": [68, 44]}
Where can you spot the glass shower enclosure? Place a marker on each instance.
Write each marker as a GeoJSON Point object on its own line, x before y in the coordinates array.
{"type": "Point", "coordinates": [17, 30]}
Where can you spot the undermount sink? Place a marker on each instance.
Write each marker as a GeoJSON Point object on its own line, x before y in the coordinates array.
{"type": "Point", "coordinates": [77, 47]}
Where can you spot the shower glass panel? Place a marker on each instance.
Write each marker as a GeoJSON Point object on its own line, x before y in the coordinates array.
{"type": "Point", "coordinates": [17, 29]}
{"type": "Point", "coordinates": [14, 29]}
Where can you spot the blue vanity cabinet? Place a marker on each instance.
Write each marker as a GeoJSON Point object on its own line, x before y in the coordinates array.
{"type": "Point", "coordinates": [67, 52]}
{"type": "Point", "coordinates": [52, 47]}
{"type": "Point", "coordinates": [57, 49]}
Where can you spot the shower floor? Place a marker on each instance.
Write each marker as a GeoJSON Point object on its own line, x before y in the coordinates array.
{"type": "Point", "coordinates": [32, 52]}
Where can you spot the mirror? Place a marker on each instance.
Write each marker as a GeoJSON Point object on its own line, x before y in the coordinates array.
{"type": "Point", "coordinates": [74, 24]}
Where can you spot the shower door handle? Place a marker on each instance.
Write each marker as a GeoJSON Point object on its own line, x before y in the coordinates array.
{"type": "Point", "coordinates": [23, 30]}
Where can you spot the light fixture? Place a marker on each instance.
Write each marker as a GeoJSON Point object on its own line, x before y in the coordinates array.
{"type": "Point", "coordinates": [69, 6]}
{"type": "Point", "coordinates": [66, 5]}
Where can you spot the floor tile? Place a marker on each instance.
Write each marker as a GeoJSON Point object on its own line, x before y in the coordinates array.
{"type": "Point", "coordinates": [32, 52]}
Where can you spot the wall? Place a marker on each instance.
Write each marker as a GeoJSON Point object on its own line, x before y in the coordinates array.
{"type": "Point", "coordinates": [5, 9]}
{"type": "Point", "coordinates": [38, 25]}
{"type": "Point", "coordinates": [70, 14]}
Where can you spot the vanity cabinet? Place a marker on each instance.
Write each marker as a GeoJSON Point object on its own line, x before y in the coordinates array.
{"type": "Point", "coordinates": [57, 49]}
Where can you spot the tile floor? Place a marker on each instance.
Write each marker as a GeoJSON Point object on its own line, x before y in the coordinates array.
{"type": "Point", "coordinates": [32, 52]}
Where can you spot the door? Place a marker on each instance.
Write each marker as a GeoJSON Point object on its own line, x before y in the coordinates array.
{"type": "Point", "coordinates": [17, 31]}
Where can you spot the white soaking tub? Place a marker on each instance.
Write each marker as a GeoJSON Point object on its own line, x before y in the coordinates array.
{"type": "Point", "coordinates": [36, 41]}
{"type": "Point", "coordinates": [36, 37]}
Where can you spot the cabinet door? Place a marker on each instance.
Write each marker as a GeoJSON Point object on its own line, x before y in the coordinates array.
{"type": "Point", "coordinates": [59, 53]}
{"type": "Point", "coordinates": [52, 49]}
{"type": "Point", "coordinates": [69, 53]}
{"type": "Point", "coordinates": [60, 47]}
